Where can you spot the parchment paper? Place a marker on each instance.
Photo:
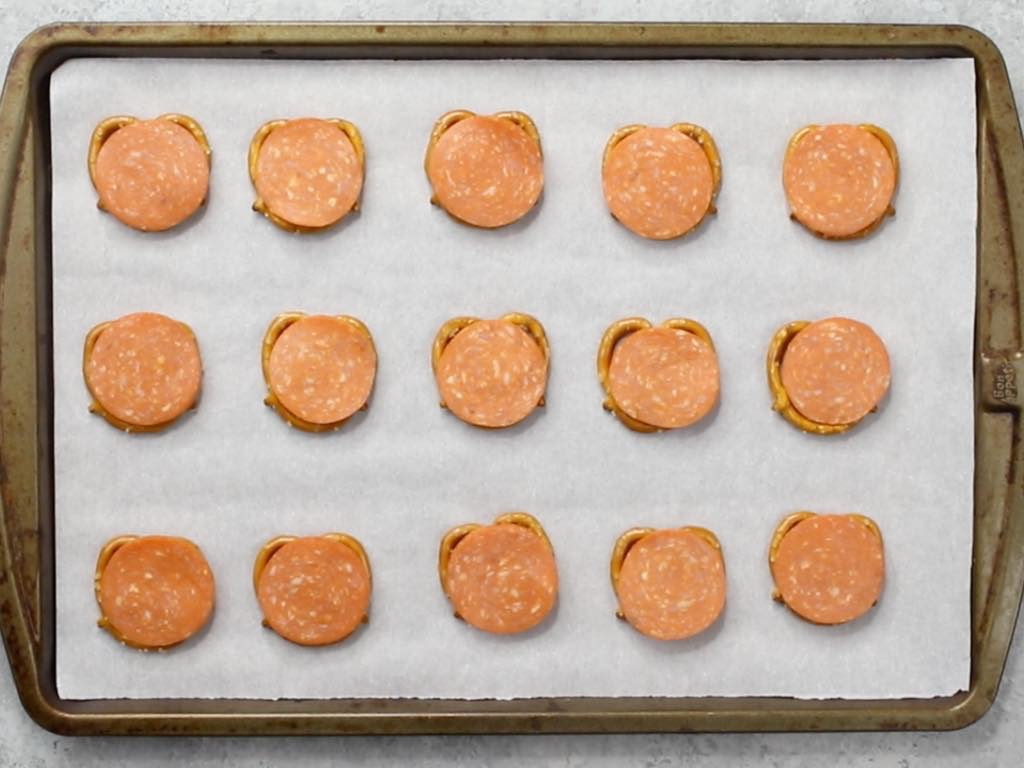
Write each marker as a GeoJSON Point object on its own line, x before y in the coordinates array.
{"type": "Point", "coordinates": [233, 474]}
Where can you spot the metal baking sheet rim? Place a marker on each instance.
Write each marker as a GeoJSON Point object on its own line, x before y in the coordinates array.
{"type": "Point", "coordinates": [26, 492]}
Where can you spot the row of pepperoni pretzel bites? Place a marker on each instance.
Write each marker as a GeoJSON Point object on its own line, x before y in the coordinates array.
{"type": "Point", "coordinates": [158, 591]}
{"type": "Point", "coordinates": [144, 371]}
{"type": "Point", "coordinates": [487, 171]}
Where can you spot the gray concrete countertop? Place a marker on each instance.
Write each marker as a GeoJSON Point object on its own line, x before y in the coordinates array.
{"type": "Point", "coordinates": [997, 740]}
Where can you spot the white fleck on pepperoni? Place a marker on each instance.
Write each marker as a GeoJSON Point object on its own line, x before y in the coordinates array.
{"type": "Point", "coordinates": [308, 173]}
{"type": "Point", "coordinates": [145, 369]}
{"type": "Point", "coordinates": [835, 371]}
{"type": "Point", "coordinates": [665, 377]}
{"type": "Point", "coordinates": [322, 369]}
{"type": "Point", "coordinates": [658, 183]}
{"type": "Point", "coordinates": [502, 578]}
{"type": "Point", "coordinates": [829, 569]}
{"type": "Point", "coordinates": [839, 179]}
{"type": "Point", "coordinates": [486, 171]}
{"type": "Point", "coordinates": [492, 374]}
{"type": "Point", "coordinates": [152, 174]}
{"type": "Point", "coordinates": [672, 584]}
{"type": "Point", "coordinates": [156, 591]}
{"type": "Point", "coordinates": [314, 591]}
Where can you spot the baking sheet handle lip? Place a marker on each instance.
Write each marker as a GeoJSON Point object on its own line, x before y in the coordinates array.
{"type": "Point", "coordinates": [26, 603]}
{"type": "Point", "coordinates": [56, 42]}
{"type": "Point", "coordinates": [23, 652]}
{"type": "Point", "coordinates": [35, 58]}
{"type": "Point", "coordinates": [425, 716]}
{"type": "Point", "coordinates": [1000, 252]}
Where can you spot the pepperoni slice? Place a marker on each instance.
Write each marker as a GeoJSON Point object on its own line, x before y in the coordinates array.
{"type": "Point", "coordinates": [322, 369]}
{"type": "Point", "coordinates": [835, 371]}
{"type": "Point", "coordinates": [658, 183]}
{"type": "Point", "coordinates": [152, 174]}
{"type": "Point", "coordinates": [314, 591]}
{"type": "Point", "coordinates": [672, 584]}
{"type": "Point", "coordinates": [502, 578]}
{"type": "Point", "coordinates": [839, 179]}
{"type": "Point", "coordinates": [665, 377]}
{"type": "Point", "coordinates": [144, 369]}
{"type": "Point", "coordinates": [492, 374]}
{"type": "Point", "coordinates": [156, 591]}
{"type": "Point", "coordinates": [308, 173]}
{"type": "Point", "coordinates": [829, 569]}
{"type": "Point", "coordinates": [486, 171]}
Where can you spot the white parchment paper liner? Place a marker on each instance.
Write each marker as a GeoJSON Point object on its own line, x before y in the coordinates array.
{"type": "Point", "coordinates": [233, 474]}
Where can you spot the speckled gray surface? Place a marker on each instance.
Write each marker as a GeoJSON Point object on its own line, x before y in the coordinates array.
{"type": "Point", "coordinates": [997, 740]}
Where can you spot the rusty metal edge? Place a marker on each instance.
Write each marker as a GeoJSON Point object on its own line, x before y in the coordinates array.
{"type": "Point", "coordinates": [45, 48]}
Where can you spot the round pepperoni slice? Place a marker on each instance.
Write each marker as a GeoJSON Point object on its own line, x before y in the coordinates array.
{"type": "Point", "coordinates": [658, 183]}
{"type": "Point", "coordinates": [835, 371]}
{"type": "Point", "coordinates": [314, 591]}
{"type": "Point", "coordinates": [839, 179]}
{"type": "Point", "coordinates": [156, 591]}
{"type": "Point", "coordinates": [665, 377]}
{"type": "Point", "coordinates": [502, 579]}
{"type": "Point", "coordinates": [486, 171]}
{"type": "Point", "coordinates": [829, 569]}
{"type": "Point", "coordinates": [144, 369]}
{"type": "Point", "coordinates": [322, 369]}
{"type": "Point", "coordinates": [492, 374]}
{"type": "Point", "coordinates": [152, 174]}
{"type": "Point", "coordinates": [672, 584]}
{"type": "Point", "coordinates": [308, 173]}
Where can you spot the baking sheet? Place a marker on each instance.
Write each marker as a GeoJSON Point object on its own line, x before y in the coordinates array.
{"type": "Point", "coordinates": [233, 474]}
